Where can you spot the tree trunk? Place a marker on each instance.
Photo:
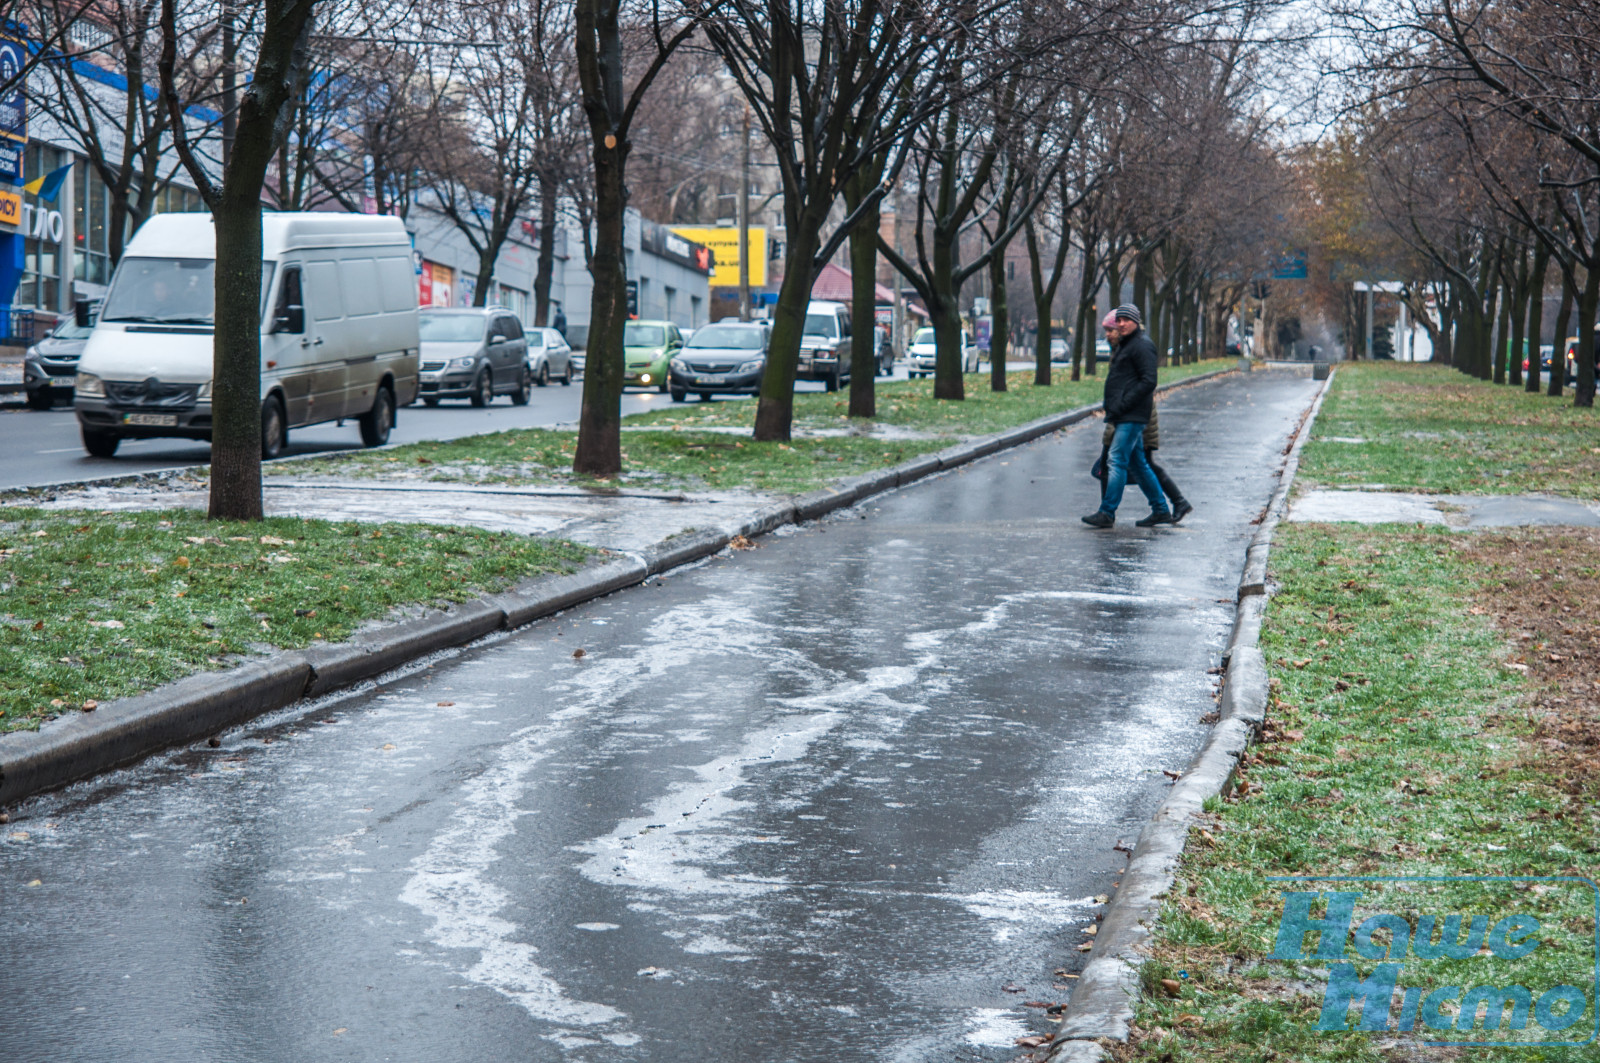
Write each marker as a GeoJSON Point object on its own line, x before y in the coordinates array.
{"type": "Point", "coordinates": [1500, 352]}
{"type": "Point", "coordinates": [236, 354]}
{"type": "Point", "coordinates": [1000, 324]}
{"type": "Point", "coordinates": [945, 310]}
{"type": "Point", "coordinates": [1041, 309]}
{"type": "Point", "coordinates": [549, 190]}
{"type": "Point", "coordinates": [864, 301]}
{"type": "Point", "coordinates": [599, 451]}
{"type": "Point", "coordinates": [1518, 307]}
{"type": "Point", "coordinates": [1535, 334]}
{"type": "Point", "coordinates": [1558, 358]}
{"type": "Point", "coordinates": [1588, 304]}
{"type": "Point", "coordinates": [775, 410]}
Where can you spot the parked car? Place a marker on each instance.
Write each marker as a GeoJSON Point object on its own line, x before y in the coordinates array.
{"type": "Point", "coordinates": [473, 353]}
{"type": "Point", "coordinates": [1102, 350]}
{"type": "Point", "coordinates": [647, 347]}
{"type": "Point", "coordinates": [825, 345]}
{"type": "Point", "coordinates": [340, 340]}
{"type": "Point", "coordinates": [1058, 351]}
{"type": "Point", "coordinates": [721, 359]}
{"type": "Point", "coordinates": [549, 357]}
{"type": "Point", "coordinates": [49, 366]}
{"type": "Point", "coordinates": [922, 358]}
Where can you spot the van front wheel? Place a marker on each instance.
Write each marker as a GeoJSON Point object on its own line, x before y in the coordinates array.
{"type": "Point", "coordinates": [101, 444]}
{"type": "Point", "coordinates": [377, 422]}
{"type": "Point", "coordinates": [274, 429]}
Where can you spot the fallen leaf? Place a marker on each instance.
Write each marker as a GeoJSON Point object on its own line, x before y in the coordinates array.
{"type": "Point", "coordinates": [445, 704]}
{"type": "Point", "coordinates": [1207, 837]}
{"type": "Point", "coordinates": [1011, 987]}
{"type": "Point", "coordinates": [1171, 986]}
{"type": "Point", "coordinates": [340, 1030]}
{"type": "Point", "coordinates": [387, 746]}
{"type": "Point", "coordinates": [37, 882]}
{"type": "Point", "coordinates": [1091, 930]}
{"type": "Point", "coordinates": [1302, 664]}
{"type": "Point", "coordinates": [579, 653]}
{"type": "Point", "coordinates": [1172, 774]}
{"type": "Point", "coordinates": [90, 705]}
{"type": "Point", "coordinates": [1514, 666]}
{"type": "Point", "coordinates": [273, 540]}
{"type": "Point", "coordinates": [1033, 1040]}
{"type": "Point", "coordinates": [38, 625]}
{"type": "Point", "coordinates": [1189, 1019]}
{"type": "Point", "coordinates": [1086, 946]}
{"type": "Point", "coordinates": [739, 542]}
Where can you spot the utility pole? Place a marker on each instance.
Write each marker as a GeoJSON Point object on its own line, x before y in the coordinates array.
{"type": "Point", "coordinates": [744, 223]}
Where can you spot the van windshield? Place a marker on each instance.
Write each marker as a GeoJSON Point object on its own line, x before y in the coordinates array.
{"type": "Point", "coordinates": [168, 291]}
{"type": "Point", "coordinates": [821, 325]}
{"type": "Point", "coordinates": [449, 328]}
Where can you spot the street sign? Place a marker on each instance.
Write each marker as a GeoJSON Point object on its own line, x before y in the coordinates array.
{"type": "Point", "coordinates": [1291, 267]}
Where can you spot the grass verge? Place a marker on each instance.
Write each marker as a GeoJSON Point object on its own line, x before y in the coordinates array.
{"type": "Point", "coordinates": [674, 456]}
{"type": "Point", "coordinates": [96, 606]}
{"type": "Point", "coordinates": [1400, 742]}
{"type": "Point", "coordinates": [1432, 429]}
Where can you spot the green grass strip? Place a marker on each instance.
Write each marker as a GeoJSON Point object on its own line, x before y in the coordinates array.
{"type": "Point", "coordinates": [98, 606]}
{"type": "Point", "coordinates": [1432, 429]}
{"type": "Point", "coordinates": [678, 457]}
{"type": "Point", "coordinates": [1399, 751]}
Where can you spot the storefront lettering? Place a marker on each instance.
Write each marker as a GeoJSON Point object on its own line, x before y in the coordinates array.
{"type": "Point", "coordinates": [40, 224]}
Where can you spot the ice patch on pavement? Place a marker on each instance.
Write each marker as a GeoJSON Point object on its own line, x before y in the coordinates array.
{"type": "Point", "coordinates": [1025, 906]}
{"type": "Point", "coordinates": [994, 1028]}
{"type": "Point", "coordinates": [597, 927]}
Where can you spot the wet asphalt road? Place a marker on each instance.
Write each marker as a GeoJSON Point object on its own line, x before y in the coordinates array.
{"type": "Point", "coordinates": [822, 800]}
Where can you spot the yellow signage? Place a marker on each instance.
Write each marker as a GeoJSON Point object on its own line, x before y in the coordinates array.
{"type": "Point", "coordinates": [10, 208]}
{"type": "Point", "coordinates": [724, 243]}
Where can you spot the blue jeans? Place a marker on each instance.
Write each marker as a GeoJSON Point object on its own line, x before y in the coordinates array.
{"type": "Point", "coordinates": [1127, 453]}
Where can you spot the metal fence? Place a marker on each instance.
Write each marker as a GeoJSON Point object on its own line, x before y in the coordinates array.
{"type": "Point", "coordinates": [24, 327]}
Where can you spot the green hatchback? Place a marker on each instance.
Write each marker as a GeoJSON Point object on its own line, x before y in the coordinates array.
{"type": "Point", "coordinates": [647, 347]}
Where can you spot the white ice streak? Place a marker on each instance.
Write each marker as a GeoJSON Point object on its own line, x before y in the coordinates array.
{"type": "Point", "coordinates": [450, 880]}
{"type": "Point", "coordinates": [994, 1028]}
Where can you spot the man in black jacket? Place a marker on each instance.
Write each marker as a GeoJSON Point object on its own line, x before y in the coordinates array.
{"type": "Point", "coordinates": [1130, 397]}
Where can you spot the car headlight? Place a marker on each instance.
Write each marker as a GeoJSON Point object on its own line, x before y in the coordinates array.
{"type": "Point", "coordinates": [752, 366]}
{"type": "Point", "coordinates": [31, 355]}
{"type": "Point", "coordinates": [89, 384]}
{"type": "Point", "coordinates": [205, 391]}
{"type": "Point", "coordinates": [680, 365]}
{"type": "Point", "coordinates": [463, 363]}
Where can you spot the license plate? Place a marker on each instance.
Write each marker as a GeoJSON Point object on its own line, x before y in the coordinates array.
{"type": "Point", "coordinates": [713, 378]}
{"type": "Point", "coordinates": [153, 420]}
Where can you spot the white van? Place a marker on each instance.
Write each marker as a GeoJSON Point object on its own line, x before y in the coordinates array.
{"type": "Point", "coordinates": [825, 345]}
{"type": "Point", "coordinates": [338, 331]}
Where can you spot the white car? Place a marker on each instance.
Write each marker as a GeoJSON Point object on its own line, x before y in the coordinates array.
{"type": "Point", "coordinates": [1058, 351]}
{"type": "Point", "coordinates": [922, 357]}
{"type": "Point", "coordinates": [549, 357]}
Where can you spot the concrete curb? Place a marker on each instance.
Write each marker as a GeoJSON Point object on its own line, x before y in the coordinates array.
{"type": "Point", "coordinates": [198, 706]}
{"type": "Point", "coordinates": [1101, 1006]}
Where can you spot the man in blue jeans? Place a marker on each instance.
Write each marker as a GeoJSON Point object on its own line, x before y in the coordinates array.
{"type": "Point", "coordinates": [1130, 397]}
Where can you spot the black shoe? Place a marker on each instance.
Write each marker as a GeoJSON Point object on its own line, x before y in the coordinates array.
{"type": "Point", "coordinates": [1159, 516]}
{"type": "Point", "coordinates": [1181, 509]}
{"type": "Point", "coordinates": [1098, 519]}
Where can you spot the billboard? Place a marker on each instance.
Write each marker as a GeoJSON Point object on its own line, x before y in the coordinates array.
{"type": "Point", "coordinates": [13, 102]}
{"type": "Point", "coordinates": [724, 244]}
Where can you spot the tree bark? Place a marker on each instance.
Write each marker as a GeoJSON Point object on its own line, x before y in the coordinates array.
{"type": "Point", "coordinates": [1588, 304]}
{"type": "Point", "coordinates": [549, 192]}
{"type": "Point", "coordinates": [1535, 334]}
{"type": "Point", "coordinates": [775, 409]}
{"type": "Point", "coordinates": [1558, 358]}
{"type": "Point", "coordinates": [599, 450]}
{"type": "Point", "coordinates": [1000, 321]}
{"type": "Point", "coordinates": [863, 297]}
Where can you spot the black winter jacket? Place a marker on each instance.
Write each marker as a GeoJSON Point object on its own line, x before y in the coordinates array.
{"type": "Point", "coordinates": [1131, 381]}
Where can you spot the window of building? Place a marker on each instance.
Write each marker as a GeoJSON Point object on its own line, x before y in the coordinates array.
{"type": "Point", "coordinates": [670, 295]}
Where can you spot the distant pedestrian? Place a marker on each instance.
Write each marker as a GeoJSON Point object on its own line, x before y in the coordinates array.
{"type": "Point", "coordinates": [560, 322]}
{"type": "Point", "coordinates": [1181, 507]}
{"type": "Point", "coordinates": [1128, 404]}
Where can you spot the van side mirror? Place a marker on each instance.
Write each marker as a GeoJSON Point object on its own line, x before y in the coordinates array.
{"type": "Point", "coordinates": [80, 313]}
{"type": "Point", "coordinates": [291, 318]}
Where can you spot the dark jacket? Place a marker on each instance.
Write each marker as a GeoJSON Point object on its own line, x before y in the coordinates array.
{"type": "Point", "coordinates": [1131, 381]}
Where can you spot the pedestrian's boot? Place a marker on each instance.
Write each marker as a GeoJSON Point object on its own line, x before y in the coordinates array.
{"type": "Point", "coordinates": [1180, 509]}
{"type": "Point", "coordinates": [1099, 519]}
{"type": "Point", "coordinates": [1157, 516]}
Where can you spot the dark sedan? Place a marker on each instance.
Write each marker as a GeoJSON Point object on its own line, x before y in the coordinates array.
{"type": "Point", "coordinates": [722, 359]}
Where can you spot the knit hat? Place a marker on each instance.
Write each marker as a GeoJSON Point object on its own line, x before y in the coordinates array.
{"type": "Point", "coordinates": [1110, 321]}
{"type": "Point", "coordinates": [1131, 312]}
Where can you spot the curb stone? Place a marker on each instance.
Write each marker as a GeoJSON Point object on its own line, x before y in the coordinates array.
{"type": "Point", "coordinates": [1101, 1005]}
{"type": "Point", "coordinates": [198, 706]}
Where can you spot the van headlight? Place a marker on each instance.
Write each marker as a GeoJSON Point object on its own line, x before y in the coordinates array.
{"type": "Point", "coordinates": [89, 384]}
{"type": "Point", "coordinates": [205, 391]}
